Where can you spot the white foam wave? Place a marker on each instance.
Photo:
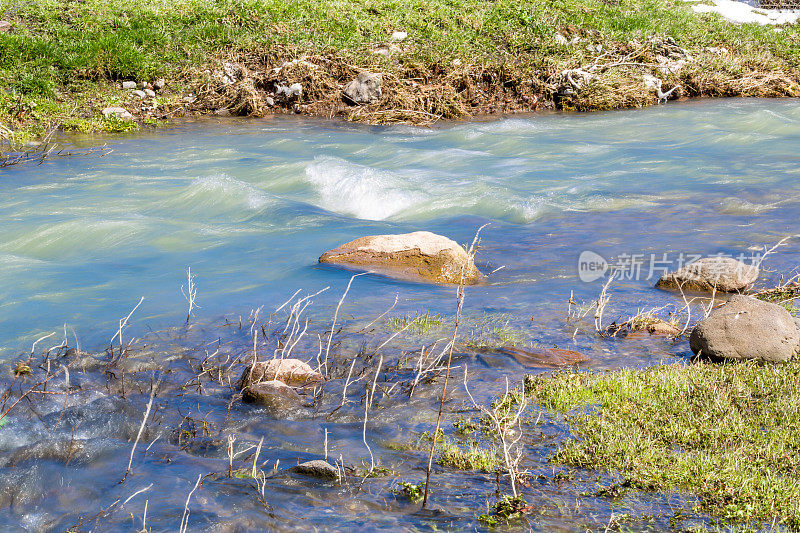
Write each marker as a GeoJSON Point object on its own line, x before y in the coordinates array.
{"type": "Point", "coordinates": [362, 191]}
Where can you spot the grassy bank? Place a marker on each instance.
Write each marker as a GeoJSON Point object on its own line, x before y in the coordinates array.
{"type": "Point", "coordinates": [727, 433]}
{"type": "Point", "coordinates": [62, 62]}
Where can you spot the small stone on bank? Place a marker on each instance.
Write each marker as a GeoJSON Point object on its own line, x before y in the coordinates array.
{"type": "Point", "coordinates": [118, 112]}
{"type": "Point", "coordinates": [6, 27]}
{"type": "Point", "coordinates": [399, 36]}
{"type": "Point", "coordinates": [128, 85]}
{"type": "Point", "coordinates": [139, 94]}
{"type": "Point", "coordinates": [159, 84]}
{"type": "Point", "coordinates": [365, 89]}
{"type": "Point", "coordinates": [150, 93]}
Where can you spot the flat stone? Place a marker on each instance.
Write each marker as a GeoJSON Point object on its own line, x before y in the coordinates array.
{"type": "Point", "coordinates": [274, 394]}
{"type": "Point", "coordinates": [418, 256]}
{"type": "Point", "coordinates": [316, 468]}
{"type": "Point", "coordinates": [128, 85]}
{"type": "Point", "coordinates": [747, 328]}
{"type": "Point", "coordinates": [139, 94]}
{"type": "Point", "coordinates": [725, 273]}
{"type": "Point", "coordinates": [150, 93]}
{"type": "Point", "coordinates": [289, 371]}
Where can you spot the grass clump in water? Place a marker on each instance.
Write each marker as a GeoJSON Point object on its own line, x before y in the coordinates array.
{"type": "Point", "coordinates": [727, 432]}
{"type": "Point", "coordinates": [417, 322]}
{"type": "Point", "coordinates": [472, 458]}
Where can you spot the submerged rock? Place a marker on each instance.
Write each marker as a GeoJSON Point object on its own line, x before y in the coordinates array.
{"type": "Point", "coordinates": [662, 327]}
{"type": "Point", "coordinates": [289, 371]}
{"type": "Point", "coordinates": [725, 273]}
{"type": "Point", "coordinates": [746, 328]}
{"type": "Point", "coordinates": [275, 394]}
{"type": "Point", "coordinates": [365, 89]}
{"type": "Point", "coordinates": [316, 468]}
{"type": "Point", "coordinates": [418, 256]}
{"type": "Point", "coordinates": [535, 357]}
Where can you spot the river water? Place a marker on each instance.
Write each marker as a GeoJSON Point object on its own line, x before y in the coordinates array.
{"type": "Point", "coordinates": [249, 205]}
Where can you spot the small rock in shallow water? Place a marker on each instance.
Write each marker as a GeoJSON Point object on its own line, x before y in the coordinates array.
{"type": "Point", "coordinates": [418, 256]}
{"type": "Point", "coordinates": [289, 371]}
{"type": "Point", "coordinates": [725, 273]}
{"type": "Point", "coordinates": [365, 89]}
{"type": "Point", "coordinates": [119, 112]}
{"type": "Point", "coordinates": [128, 85]}
{"type": "Point", "coordinates": [316, 468]}
{"type": "Point", "coordinates": [747, 328]}
{"type": "Point", "coordinates": [275, 394]}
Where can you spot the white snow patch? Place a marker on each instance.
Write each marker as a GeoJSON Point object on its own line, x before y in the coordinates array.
{"type": "Point", "coordinates": [742, 13]}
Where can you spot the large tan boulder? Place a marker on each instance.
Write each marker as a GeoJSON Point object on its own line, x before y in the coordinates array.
{"type": "Point", "coordinates": [746, 328]}
{"type": "Point", "coordinates": [290, 371]}
{"type": "Point", "coordinates": [274, 394]}
{"type": "Point", "coordinates": [418, 256]}
{"type": "Point", "coordinates": [725, 273]}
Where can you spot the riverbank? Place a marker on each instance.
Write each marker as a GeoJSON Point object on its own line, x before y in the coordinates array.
{"type": "Point", "coordinates": [64, 64]}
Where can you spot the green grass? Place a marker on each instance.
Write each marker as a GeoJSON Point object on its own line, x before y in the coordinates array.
{"type": "Point", "coordinates": [729, 433]}
{"type": "Point", "coordinates": [470, 457]}
{"type": "Point", "coordinates": [64, 56]}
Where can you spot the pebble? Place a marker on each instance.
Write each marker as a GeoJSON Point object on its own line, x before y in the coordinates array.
{"type": "Point", "coordinates": [139, 94]}
{"type": "Point", "coordinates": [150, 93]}
{"type": "Point", "coordinates": [399, 36]}
{"type": "Point", "coordinates": [127, 85]}
{"type": "Point", "coordinates": [5, 26]}
{"type": "Point", "coordinates": [159, 84]}
{"type": "Point", "coordinates": [269, 101]}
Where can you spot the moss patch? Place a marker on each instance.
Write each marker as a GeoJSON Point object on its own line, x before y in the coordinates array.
{"type": "Point", "coordinates": [730, 433]}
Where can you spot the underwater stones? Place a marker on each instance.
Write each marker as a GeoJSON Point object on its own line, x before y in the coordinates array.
{"type": "Point", "coordinates": [535, 357]}
{"type": "Point", "coordinates": [746, 328]}
{"type": "Point", "coordinates": [316, 468]}
{"type": "Point", "coordinates": [275, 394]}
{"type": "Point", "coordinates": [365, 89]}
{"type": "Point", "coordinates": [419, 256]}
{"type": "Point", "coordinates": [289, 371]}
{"type": "Point", "coordinates": [724, 274]}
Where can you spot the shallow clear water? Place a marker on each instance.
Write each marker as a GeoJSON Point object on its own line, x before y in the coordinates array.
{"type": "Point", "coordinates": [250, 205]}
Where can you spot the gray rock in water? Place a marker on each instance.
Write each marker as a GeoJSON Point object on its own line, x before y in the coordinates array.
{"type": "Point", "coordinates": [746, 328]}
{"type": "Point", "coordinates": [275, 394]}
{"type": "Point", "coordinates": [139, 94]}
{"type": "Point", "coordinates": [128, 85]}
{"type": "Point", "coordinates": [365, 89]}
{"type": "Point", "coordinates": [316, 468]}
{"type": "Point", "coordinates": [725, 273]}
